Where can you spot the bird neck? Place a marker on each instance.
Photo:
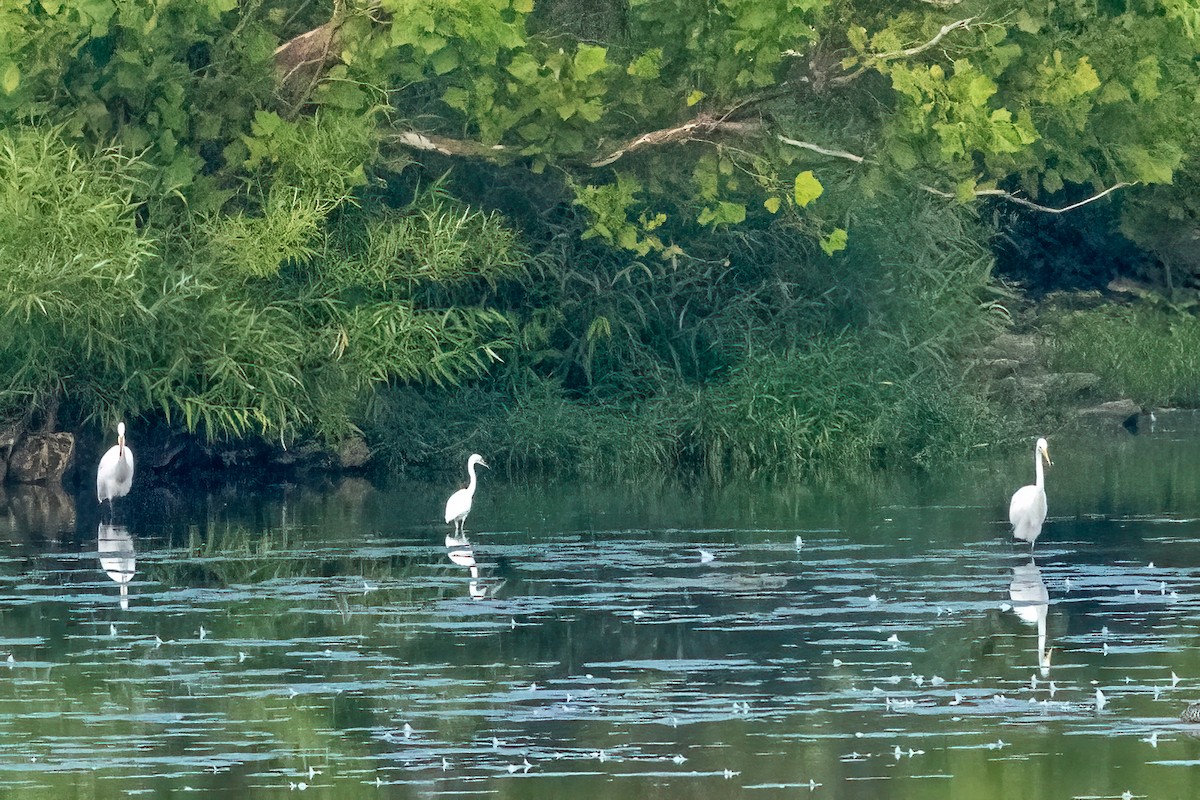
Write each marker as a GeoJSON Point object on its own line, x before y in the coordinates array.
{"type": "Point", "coordinates": [121, 447]}
{"type": "Point", "coordinates": [1038, 470]}
{"type": "Point", "coordinates": [471, 471]}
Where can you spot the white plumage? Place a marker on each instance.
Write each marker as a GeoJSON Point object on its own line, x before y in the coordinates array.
{"type": "Point", "coordinates": [114, 476]}
{"type": "Point", "coordinates": [1027, 510]}
{"type": "Point", "coordinates": [459, 504]}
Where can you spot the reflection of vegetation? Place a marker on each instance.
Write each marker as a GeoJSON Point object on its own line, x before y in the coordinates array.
{"type": "Point", "coordinates": [232, 555]}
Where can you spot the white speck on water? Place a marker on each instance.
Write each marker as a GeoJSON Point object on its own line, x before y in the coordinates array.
{"type": "Point", "coordinates": [894, 638]}
{"type": "Point", "coordinates": [799, 543]}
{"type": "Point", "coordinates": [1174, 680]}
{"type": "Point", "coordinates": [1101, 700]}
{"type": "Point", "coordinates": [408, 731]}
{"type": "Point", "coordinates": [706, 556]}
{"type": "Point", "coordinates": [203, 632]}
{"type": "Point", "coordinates": [873, 599]}
{"type": "Point", "coordinates": [1152, 739]}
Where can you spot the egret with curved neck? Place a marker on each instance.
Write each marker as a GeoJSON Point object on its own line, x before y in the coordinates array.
{"type": "Point", "coordinates": [114, 476]}
{"type": "Point", "coordinates": [459, 504]}
{"type": "Point", "coordinates": [1027, 510]}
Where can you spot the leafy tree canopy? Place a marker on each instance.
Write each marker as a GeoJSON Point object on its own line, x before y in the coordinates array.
{"type": "Point", "coordinates": [250, 160]}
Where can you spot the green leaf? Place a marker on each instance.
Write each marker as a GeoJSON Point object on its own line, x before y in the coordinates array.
{"type": "Point", "coordinates": [11, 79]}
{"type": "Point", "coordinates": [695, 97]}
{"type": "Point", "coordinates": [444, 60]}
{"type": "Point", "coordinates": [772, 204]}
{"type": "Point", "coordinates": [807, 188]}
{"type": "Point", "coordinates": [724, 213]}
{"type": "Point", "coordinates": [589, 59]}
{"type": "Point", "coordinates": [523, 6]}
{"type": "Point", "coordinates": [647, 66]}
{"type": "Point", "coordinates": [834, 242]}
{"type": "Point", "coordinates": [524, 68]}
{"type": "Point", "coordinates": [456, 97]}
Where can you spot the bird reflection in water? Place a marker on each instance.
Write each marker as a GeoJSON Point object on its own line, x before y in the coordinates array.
{"type": "Point", "coordinates": [1031, 602]}
{"type": "Point", "coordinates": [117, 557]}
{"type": "Point", "coordinates": [458, 549]}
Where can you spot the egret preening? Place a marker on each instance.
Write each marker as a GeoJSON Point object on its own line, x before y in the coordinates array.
{"type": "Point", "coordinates": [459, 504]}
{"type": "Point", "coordinates": [1027, 511]}
{"type": "Point", "coordinates": [114, 476]}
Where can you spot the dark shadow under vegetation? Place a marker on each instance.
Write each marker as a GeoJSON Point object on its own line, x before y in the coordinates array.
{"type": "Point", "coordinates": [782, 359]}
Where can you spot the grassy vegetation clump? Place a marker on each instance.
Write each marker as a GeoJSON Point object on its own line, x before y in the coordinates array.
{"type": "Point", "coordinates": [783, 360]}
{"type": "Point", "coordinates": [1149, 353]}
{"type": "Point", "coordinates": [115, 306]}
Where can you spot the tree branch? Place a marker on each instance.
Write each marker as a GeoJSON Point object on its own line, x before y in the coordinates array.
{"type": "Point", "coordinates": [822, 150]}
{"type": "Point", "coordinates": [908, 52]}
{"type": "Point", "coordinates": [1012, 198]}
{"type": "Point", "coordinates": [446, 146]}
{"type": "Point", "coordinates": [302, 61]}
{"type": "Point", "coordinates": [701, 127]}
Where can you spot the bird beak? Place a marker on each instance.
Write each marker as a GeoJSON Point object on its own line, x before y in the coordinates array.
{"type": "Point", "coordinates": [1046, 455]}
{"type": "Point", "coordinates": [483, 463]}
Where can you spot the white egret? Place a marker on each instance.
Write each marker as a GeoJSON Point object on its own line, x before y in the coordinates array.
{"type": "Point", "coordinates": [459, 504]}
{"type": "Point", "coordinates": [1027, 510]}
{"type": "Point", "coordinates": [114, 476]}
{"type": "Point", "coordinates": [1031, 602]}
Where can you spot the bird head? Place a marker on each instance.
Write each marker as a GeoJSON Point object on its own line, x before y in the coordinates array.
{"type": "Point", "coordinates": [478, 459]}
{"type": "Point", "coordinates": [1044, 449]}
{"type": "Point", "coordinates": [121, 436]}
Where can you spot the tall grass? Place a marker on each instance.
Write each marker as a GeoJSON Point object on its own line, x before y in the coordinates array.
{"type": "Point", "coordinates": [112, 310]}
{"type": "Point", "coordinates": [781, 359]}
{"type": "Point", "coordinates": [1149, 353]}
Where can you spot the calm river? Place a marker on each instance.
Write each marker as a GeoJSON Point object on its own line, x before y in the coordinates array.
{"type": "Point", "coordinates": [869, 640]}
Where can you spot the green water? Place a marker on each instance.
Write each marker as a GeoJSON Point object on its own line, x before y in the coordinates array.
{"type": "Point", "coordinates": [869, 639]}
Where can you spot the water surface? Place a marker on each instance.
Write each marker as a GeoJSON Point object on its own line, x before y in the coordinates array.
{"type": "Point", "coordinates": [881, 638]}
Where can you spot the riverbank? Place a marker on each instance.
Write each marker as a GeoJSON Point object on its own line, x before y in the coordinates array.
{"type": "Point", "coordinates": [842, 404]}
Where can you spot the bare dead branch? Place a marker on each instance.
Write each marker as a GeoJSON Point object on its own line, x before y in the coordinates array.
{"type": "Point", "coordinates": [1012, 198]}
{"type": "Point", "coordinates": [447, 146]}
{"type": "Point", "coordinates": [302, 61]}
{"type": "Point", "coordinates": [822, 150]}
{"type": "Point", "coordinates": [700, 128]}
{"type": "Point", "coordinates": [921, 48]}
{"type": "Point", "coordinates": [908, 52]}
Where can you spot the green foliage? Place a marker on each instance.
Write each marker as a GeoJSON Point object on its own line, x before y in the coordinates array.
{"type": "Point", "coordinates": [1148, 353]}
{"type": "Point", "coordinates": [120, 321]}
{"type": "Point", "coordinates": [703, 226]}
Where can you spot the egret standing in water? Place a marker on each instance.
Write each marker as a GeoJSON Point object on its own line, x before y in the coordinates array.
{"type": "Point", "coordinates": [114, 476]}
{"type": "Point", "coordinates": [459, 504]}
{"type": "Point", "coordinates": [1027, 511]}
